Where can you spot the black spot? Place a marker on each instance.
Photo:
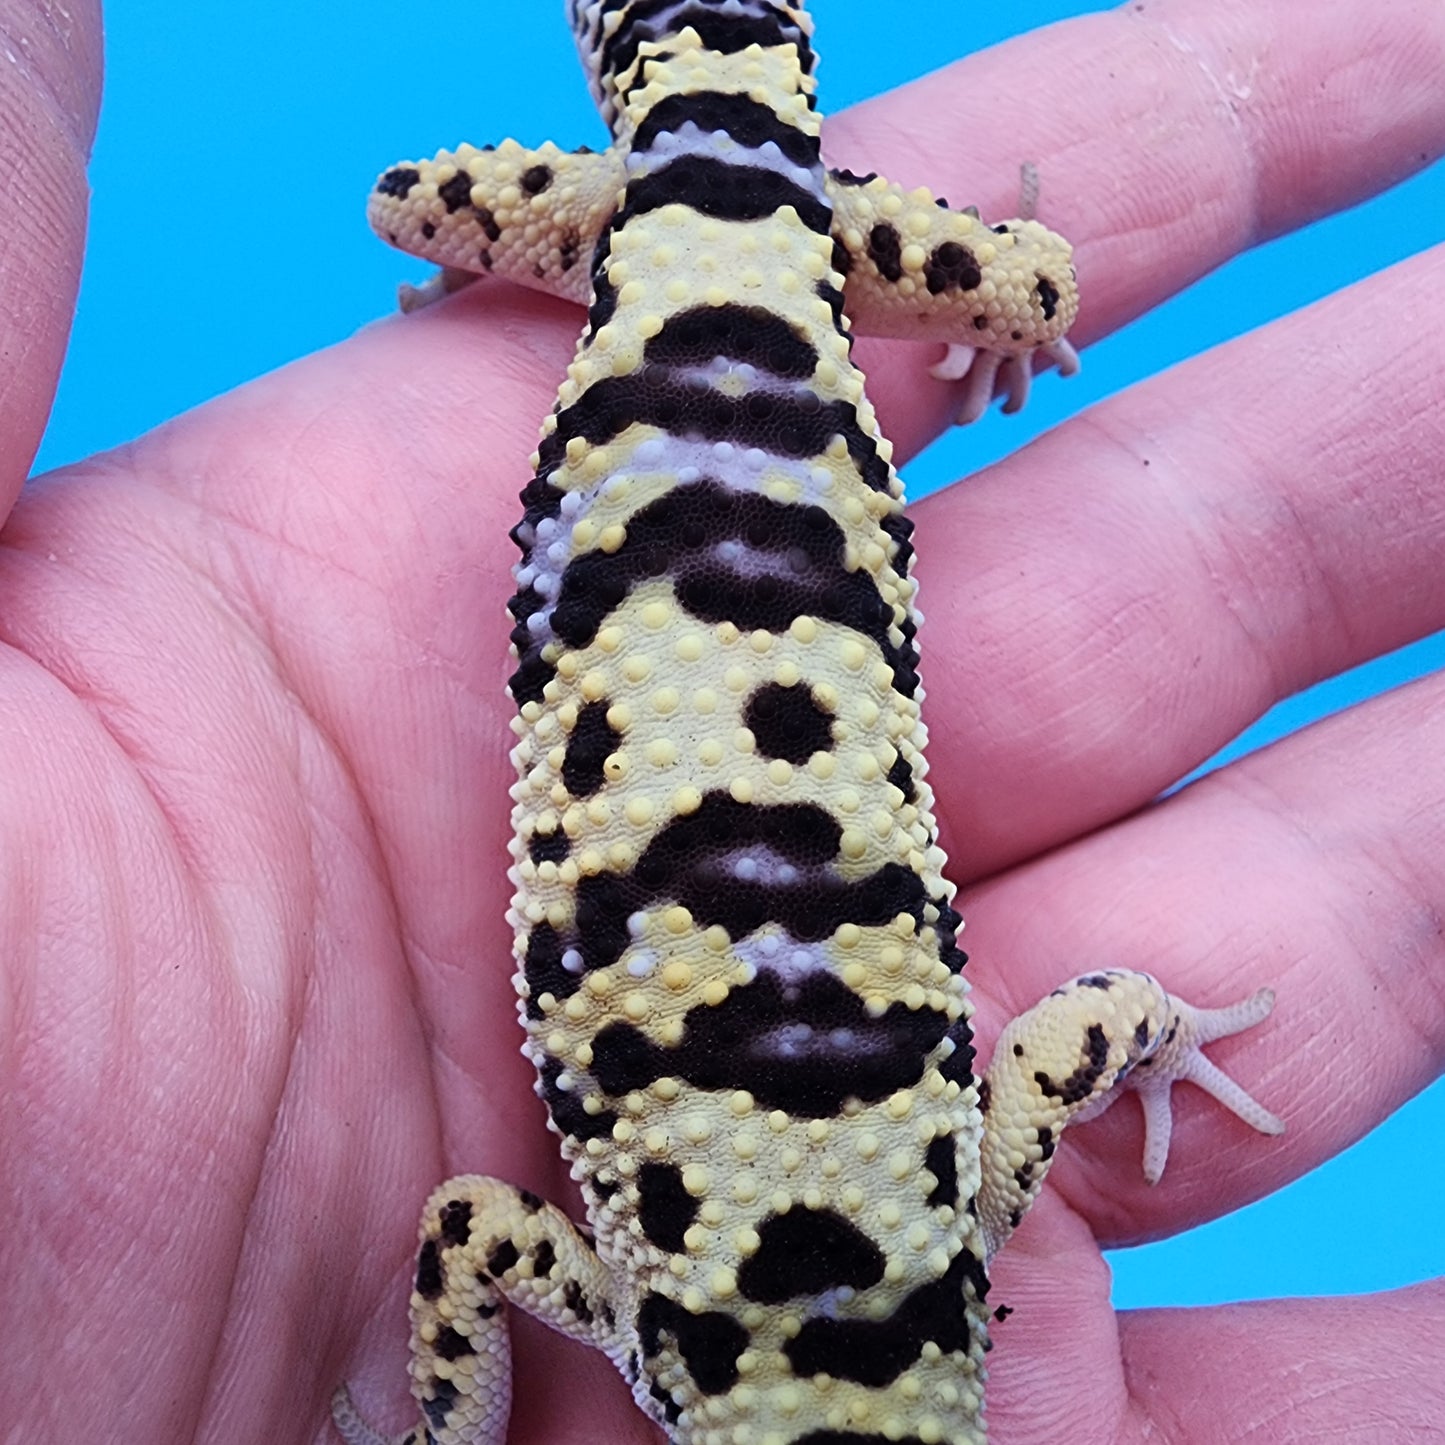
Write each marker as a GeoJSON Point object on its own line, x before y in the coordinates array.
{"type": "Point", "coordinates": [604, 1190]}
{"type": "Point", "coordinates": [593, 741]}
{"type": "Point", "coordinates": [567, 1110]}
{"type": "Point", "coordinates": [985, 1095]}
{"type": "Point", "coordinates": [899, 527]}
{"type": "Point", "coordinates": [548, 847]}
{"type": "Point", "coordinates": [1141, 1034]}
{"type": "Point", "coordinates": [398, 182]}
{"type": "Point", "coordinates": [957, 1068]}
{"type": "Point", "coordinates": [752, 334]}
{"type": "Point", "coordinates": [788, 722]}
{"type": "Point", "coordinates": [1003, 1312]}
{"type": "Point", "coordinates": [834, 297]}
{"type": "Point", "coordinates": [569, 249]}
{"type": "Point", "coordinates": [951, 267]}
{"type": "Point", "coordinates": [671, 1410]}
{"type": "Point", "coordinates": [529, 1200]}
{"type": "Point", "coordinates": [885, 250]}
{"type": "Point", "coordinates": [802, 1047]}
{"type": "Point", "coordinates": [543, 971]}
{"type": "Point", "coordinates": [842, 258]}
{"type": "Point", "coordinates": [665, 1209]}
{"type": "Point", "coordinates": [457, 192]}
{"type": "Point", "coordinates": [535, 179]}
{"type": "Point", "coordinates": [1080, 1084]}
{"type": "Point", "coordinates": [488, 222]}
{"type": "Point", "coordinates": [428, 230]}
{"type": "Point", "coordinates": [576, 1301]}
{"type": "Point", "coordinates": [848, 178]}
{"type": "Point", "coordinates": [429, 1270]}
{"type": "Point", "coordinates": [502, 1258]}
{"type": "Point", "coordinates": [603, 905]}
{"type": "Point", "coordinates": [604, 301]}
{"type": "Point", "coordinates": [875, 1352]}
{"type": "Point", "coordinates": [438, 1402]}
{"type": "Point", "coordinates": [455, 1221]}
{"type": "Point", "coordinates": [941, 1160]}
{"type": "Point", "coordinates": [749, 122]}
{"type": "Point", "coordinates": [1046, 1143]}
{"type": "Point", "coordinates": [806, 1251]}
{"type": "Point", "coordinates": [901, 776]}
{"type": "Point", "coordinates": [452, 1346]}
{"type": "Point", "coordinates": [1048, 297]}
{"type": "Point", "coordinates": [947, 926]}
{"type": "Point", "coordinates": [725, 190]}
{"type": "Point", "coordinates": [1095, 980]}
{"type": "Point", "coordinates": [709, 1343]}
{"type": "Point", "coordinates": [544, 1259]}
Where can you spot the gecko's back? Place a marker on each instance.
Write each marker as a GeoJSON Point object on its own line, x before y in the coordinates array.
{"type": "Point", "coordinates": [737, 954]}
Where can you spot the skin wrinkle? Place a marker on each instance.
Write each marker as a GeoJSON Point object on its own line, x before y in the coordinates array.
{"type": "Point", "coordinates": [49, 94]}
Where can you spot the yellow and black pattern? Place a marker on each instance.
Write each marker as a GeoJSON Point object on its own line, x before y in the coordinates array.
{"type": "Point", "coordinates": [736, 951]}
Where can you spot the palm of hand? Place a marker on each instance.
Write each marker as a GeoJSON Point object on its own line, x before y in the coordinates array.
{"type": "Point", "coordinates": [255, 791]}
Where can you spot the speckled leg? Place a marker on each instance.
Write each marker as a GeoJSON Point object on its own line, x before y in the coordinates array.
{"type": "Point", "coordinates": [997, 294]}
{"type": "Point", "coordinates": [483, 1242]}
{"type": "Point", "coordinates": [533, 216]}
{"type": "Point", "coordinates": [1069, 1057]}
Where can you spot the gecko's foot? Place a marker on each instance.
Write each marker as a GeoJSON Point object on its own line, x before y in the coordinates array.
{"type": "Point", "coordinates": [984, 371]}
{"type": "Point", "coordinates": [1180, 1056]}
{"type": "Point", "coordinates": [443, 283]}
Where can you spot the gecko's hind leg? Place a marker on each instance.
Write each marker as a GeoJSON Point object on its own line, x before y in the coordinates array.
{"type": "Point", "coordinates": [485, 1244]}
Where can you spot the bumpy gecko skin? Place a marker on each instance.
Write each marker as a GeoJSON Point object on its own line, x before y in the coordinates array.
{"type": "Point", "coordinates": [736, 950]}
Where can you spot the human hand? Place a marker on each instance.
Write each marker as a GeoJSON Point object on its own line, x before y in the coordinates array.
{"type": "Point", "coordinates": [254, 788]}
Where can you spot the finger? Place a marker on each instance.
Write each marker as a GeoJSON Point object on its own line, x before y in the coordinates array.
{"type": "Point", "coordinates": [1168, 138]}
{"type": "Point", "coordinates": [1316, 867]}
{"type": "Point", "coordinates": [1132, 591]}
{"type": "Point", "coordinates": [1259, 1369]}
{"type": "Point", "coordinates": [49, 96]}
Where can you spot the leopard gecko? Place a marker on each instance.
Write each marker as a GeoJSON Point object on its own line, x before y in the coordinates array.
{"type": "Point", "coordinates": [737, 964]}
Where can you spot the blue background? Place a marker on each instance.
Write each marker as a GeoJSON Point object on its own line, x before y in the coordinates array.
{"type": "Point", "coordinates": [236, 148]}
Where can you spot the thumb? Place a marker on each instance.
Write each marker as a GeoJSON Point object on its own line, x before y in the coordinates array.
{"type": "Point", "coordinates": [50, 71]}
